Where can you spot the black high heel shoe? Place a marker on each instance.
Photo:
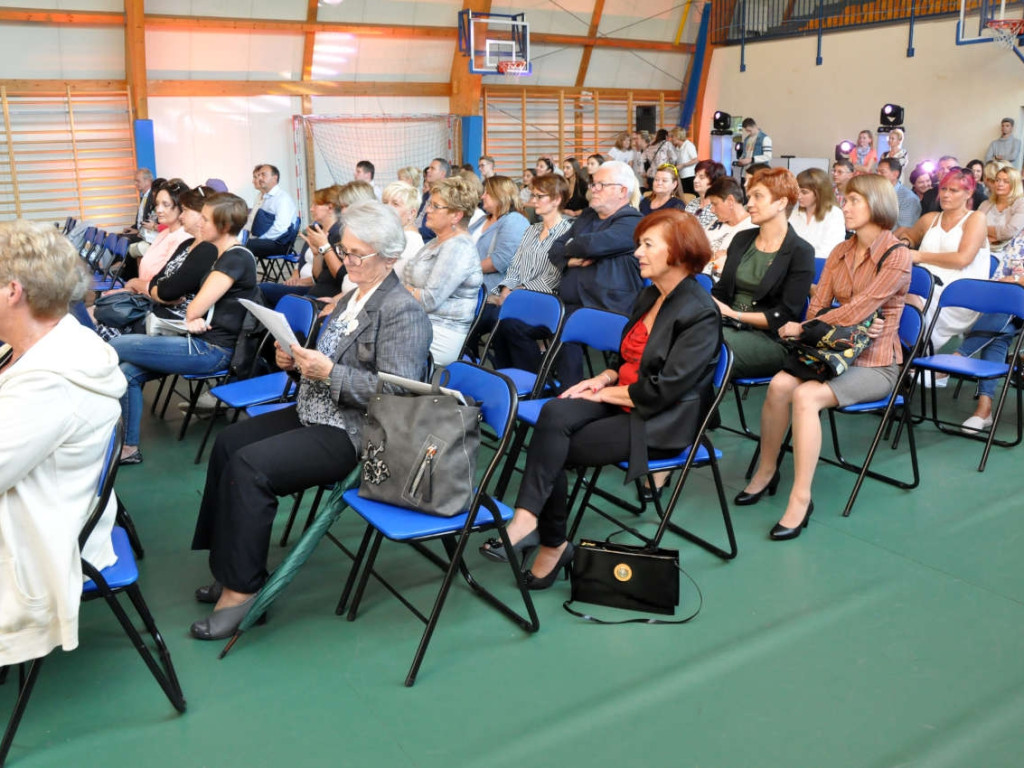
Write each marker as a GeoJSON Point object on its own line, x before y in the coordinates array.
{"type": "Point", "coordinates": [745, 498]}
{"type": "Point", "coordinates": [543, 582]}
{"type": "Point", "coordinates": [493, 549]}
{"type": "Point", "coordinates": [781, 533]}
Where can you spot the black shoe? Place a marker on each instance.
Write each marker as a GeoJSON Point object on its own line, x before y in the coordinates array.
{"type": "Point", "coordinates": [210, 593]}
{"type": "Point", "coordinates": [135, 457]}
{"type": "Point", "coordinates": [493, 549]}
{"type": "Point", "coordinates": [781, 533]}
{"type": "Point", "coordinates": [745, 498]}
{"type": "Point", "coordinates": [223, 623]}
{"type": "Point", "coordinates": [543, 582]}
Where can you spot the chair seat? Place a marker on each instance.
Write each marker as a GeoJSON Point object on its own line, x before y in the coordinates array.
{"type": "Point", "coordinates": [258, 410]}
{"type": "Point", "coordinates": [200, 376]}
{"type": "Point", "coordinates": [754, 382]}
{"type": "Point", "coordinates": [958, 365]}
{"type": "Point", "coordinates": [122, 573]}
{"type": "Point", "coordinates": [290, 256]}
{"type": "Point", "coordinates": [529, 410]}
{"type": "Point", "coordinates": [239, 394]}
{"type": "Point", "coordinates": [657, 465]}
{"type": "Point", "coordinates": [523, 380]}
{"type": "Point", "coordinates": [874, 405]}
{"type": "Point", "coordinates": [400, 524]}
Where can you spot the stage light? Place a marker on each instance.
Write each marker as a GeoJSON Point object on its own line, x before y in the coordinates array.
{"type": "Point", "coordinates": [844, 148]}
{"type": "Point", "coordinates": [891, 116]}
{"type": "Point", "coordinates": [928, 166]}
{"type": "Point", "coordinates": [722, 121]}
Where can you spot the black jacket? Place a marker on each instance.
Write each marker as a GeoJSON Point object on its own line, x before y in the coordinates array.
{"type": "Point", "coordinates": [785, 286]}
{"type": "Point", "coordinates": [677, 368]}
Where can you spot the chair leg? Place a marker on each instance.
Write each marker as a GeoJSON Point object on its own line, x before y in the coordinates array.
{"type": "Point", "coordinates": [365, 576]}
{"type": "Point", "coordinates": [313, 507]}
{"type": "Point", "coordinates": [26, 682]}
{"type": "Point", "coordinates": [159, 394]}
{"type": "Point", "coordinates": [357, 561]}
{"type": "Point", "coordinates": [195, 389]}
{"type": "Point", "coordinates": [170, 393]}
{"type": "Point", "coordinates": [510, 460]}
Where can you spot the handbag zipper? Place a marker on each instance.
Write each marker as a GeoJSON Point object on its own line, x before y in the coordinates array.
{"type": "Point", "coordinates": [425, 470]}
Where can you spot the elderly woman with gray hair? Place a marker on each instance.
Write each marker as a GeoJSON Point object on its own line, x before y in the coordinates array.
{"type": "Point", "coordinates": [59, 390]}
{"type": "Point", "coordinates": [376, 327]}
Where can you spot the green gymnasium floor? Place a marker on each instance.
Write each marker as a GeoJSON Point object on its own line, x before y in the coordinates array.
{"type": "Point", "coordinates": [891, 638]}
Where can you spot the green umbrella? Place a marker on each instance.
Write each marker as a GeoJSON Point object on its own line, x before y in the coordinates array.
{"type": "Point", "coordinates": [282, 577]}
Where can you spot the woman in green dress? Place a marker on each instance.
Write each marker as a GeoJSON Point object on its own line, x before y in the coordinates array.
{"type": "Point", "coordinates": [767, 277]}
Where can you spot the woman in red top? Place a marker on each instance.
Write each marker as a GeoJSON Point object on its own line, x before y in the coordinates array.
{"type": "Point", "coordinates": [856, 278]}
{"type": "Point", "coordinates": [651, 405]}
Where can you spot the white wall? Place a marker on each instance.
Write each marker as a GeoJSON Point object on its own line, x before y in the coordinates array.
{"type": "Point", "coordinates": [954, 96]}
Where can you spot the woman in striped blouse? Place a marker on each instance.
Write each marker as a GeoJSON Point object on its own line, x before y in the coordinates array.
{"type": "Point", "coordinates": [863, 276]}
{"type": "Point", "coordinates": [515, 345]}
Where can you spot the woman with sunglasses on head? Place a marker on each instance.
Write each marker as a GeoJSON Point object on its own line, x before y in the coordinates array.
{"type": "Point", "coordinates": [951, 244]}
{"type": "Point", "coordinates": [376, 327]}
{"type": "Point", "coordinates": [445, 276]}
{"type": "Point", "coordinates": [667, 191]}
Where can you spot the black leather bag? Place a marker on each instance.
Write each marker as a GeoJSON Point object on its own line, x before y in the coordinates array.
{"type": "Point", "coordinates": [621, 576]}
{"type": "Point", "coordinates": [419, 451]}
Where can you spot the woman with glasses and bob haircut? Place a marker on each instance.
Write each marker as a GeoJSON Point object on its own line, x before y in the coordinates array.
{"type": "Point", "coordinates": [857, 278]}
{"type": "Point", "coordinates": [445, 276]}
{"type": "Point", "coordinates": [649, 404]}
{"type": "Point", "coordinates": [376, 327]}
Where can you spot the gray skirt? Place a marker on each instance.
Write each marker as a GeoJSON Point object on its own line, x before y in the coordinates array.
{"type": "Point", "coordinates": [862, 384]}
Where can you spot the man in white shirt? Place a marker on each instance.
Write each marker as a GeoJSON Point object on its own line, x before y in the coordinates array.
{"type": "Point", "coordinates": [365, 172]}
{"type": "Point", "coordinates": [726, 199]}
{"type": "Point", "coordinates": [273, 225]}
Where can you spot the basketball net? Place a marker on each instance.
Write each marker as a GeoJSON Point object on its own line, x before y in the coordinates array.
{"type": "Point", "coordinates": [512, 70]}
{"type": "Point", "coordinates": [1006, 31]}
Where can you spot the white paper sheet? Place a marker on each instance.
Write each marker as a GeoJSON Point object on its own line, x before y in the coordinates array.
{"type": "Point", "coordinates": [274, 322]}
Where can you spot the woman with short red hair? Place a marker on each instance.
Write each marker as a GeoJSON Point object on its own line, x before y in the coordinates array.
{"type": "Point", "coordinates": [650, 405]}
{"type": "Point", "coordinates": [767, 276]}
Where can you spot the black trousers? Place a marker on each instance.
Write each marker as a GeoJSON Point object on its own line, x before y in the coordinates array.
{"type": "Point", "coordinates": [262, 247]}
{"type": "Point", "coordinates": [569, 433]}
{"type": "Point", "coordinates": [515, 346]}
{"type": "Point", "coordinates": [252, 463]}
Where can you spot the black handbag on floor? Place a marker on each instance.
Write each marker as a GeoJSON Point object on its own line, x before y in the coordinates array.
{"type": "Point", "coordinates": [419, 450]}
{"type": "Point", "coordinates": [620, 576]}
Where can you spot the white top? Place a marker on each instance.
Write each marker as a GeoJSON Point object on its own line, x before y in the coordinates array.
{"type": "Point", "coordinates": [938, 240]}
{"type": "Point", "coordinates": [823, 235]}
{"type": "Point", "coordinates": [686, 152]}
{"type": "Point", "coordinates": [58, 407]}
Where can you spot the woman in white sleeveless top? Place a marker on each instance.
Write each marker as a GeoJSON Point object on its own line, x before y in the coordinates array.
{"type": "Point", "coordinates": [951, 244]}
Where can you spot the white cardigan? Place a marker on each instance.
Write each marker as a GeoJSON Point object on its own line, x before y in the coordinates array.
{"type": "Point", "coordinates": [824, 235]}
{"type": "Point", "coordinates": [58, 405]}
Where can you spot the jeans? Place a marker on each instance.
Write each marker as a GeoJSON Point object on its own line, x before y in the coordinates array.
{"type": "Point", "coordinates": [991, 337]}
{"type": "Point", "coordinates": [148, 357]}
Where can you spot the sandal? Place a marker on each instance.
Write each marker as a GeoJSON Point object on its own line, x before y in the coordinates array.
{"type": "Point", "coordinates": [135, 457]}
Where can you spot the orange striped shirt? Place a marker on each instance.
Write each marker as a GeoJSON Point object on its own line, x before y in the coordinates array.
{"type": "Point", "coordinates": [861, 289]}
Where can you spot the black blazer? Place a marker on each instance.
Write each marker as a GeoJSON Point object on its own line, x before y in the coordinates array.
{"type": "Point", "coordinates": [784, 287]}
{"type": "Point", "coordinates": [677, 370]}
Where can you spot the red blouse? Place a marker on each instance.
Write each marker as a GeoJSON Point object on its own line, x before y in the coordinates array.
{"type": "Point", "coordinates": [632, 350]}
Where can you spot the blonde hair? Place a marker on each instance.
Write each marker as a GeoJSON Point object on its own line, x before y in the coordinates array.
{"type": "Point", "coordinates": [406, 195]}
{"type": "Point", "coordinates": [505, 194]}
{"type": "Point", "coordinates": [45, 264]}
{"type": "Point", "coordinates": [460, 195]}
{"type": "Point", "coordinates": [1016, 188]}
{"type": "Point", "coordinates": [355, 192]}
{"type": "Point", "coordinates": [411, 175]}
{"type": "Point", "coordinates": [473, 180]}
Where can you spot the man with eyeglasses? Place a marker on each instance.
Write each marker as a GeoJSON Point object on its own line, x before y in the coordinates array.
{"type": "Point", "coordinates": [596, 256]}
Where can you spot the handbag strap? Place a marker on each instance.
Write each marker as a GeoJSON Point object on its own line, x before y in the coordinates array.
{"type": "Point", "coordinates": [691, 617]}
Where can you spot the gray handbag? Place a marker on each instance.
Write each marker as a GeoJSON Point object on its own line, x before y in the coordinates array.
{"type": "Point", "coordinates": [419, 450]}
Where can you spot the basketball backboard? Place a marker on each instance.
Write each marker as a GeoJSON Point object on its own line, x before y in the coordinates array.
{"type": "Point", "coordinates": [491, 40]}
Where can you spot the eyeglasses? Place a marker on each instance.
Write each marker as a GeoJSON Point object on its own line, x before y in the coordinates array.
{"type": "Point", "coordinates": [597, 186]}
{"type": "Point", "coordinates": [669, 167]}
{"type": "Point", "coordinates": [435, 207]}
{"type": "Point", "coordinates": [355, 258]}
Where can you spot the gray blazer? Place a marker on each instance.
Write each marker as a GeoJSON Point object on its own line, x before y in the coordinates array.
{"type": "Point", "coordinates": [393, 335]}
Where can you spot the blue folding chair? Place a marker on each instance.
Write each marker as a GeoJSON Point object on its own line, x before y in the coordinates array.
{"type": "Point", "coordinates": [273, 265]}
{"type": "Point", "coordinates": [911, 335]}
{"type": "Point", "coordinates": [986, 296]}
{"type": "Point", "coordinates": [705, 281]}
{"type": "Point", "coordinates": [301, 314]}
{"type": "Point", "coordinates": [537, 309]}
{"type": "Point", "coordinates": [106, 584]}
{"type": "Point", "coordinates": [597, 329]}
{"type": "Point", "coordinates": [819, 267]}
{"type": "Point", "coordinates": [700, 454]}
{"type": "Point", "coordinates": [497, 397]}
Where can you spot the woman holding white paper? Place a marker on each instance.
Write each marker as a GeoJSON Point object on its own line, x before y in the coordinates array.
{"type": "Point", "coordinates": [211, 340]}
{"type": "Point", "coordinates": [378, 326]}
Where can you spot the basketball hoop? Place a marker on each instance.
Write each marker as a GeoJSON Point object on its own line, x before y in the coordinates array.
{"type": "Point", "coordinates": [512, 69]}
{"type": "Point", "coordinates": [1006, 31]}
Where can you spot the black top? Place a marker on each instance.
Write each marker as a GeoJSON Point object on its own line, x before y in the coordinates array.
{"type": "Point", "coordinates": [239, 264]}
{"type": "Point", "coordinates": [785, 286]}
{"type": "Point", "coordinates": [675, 389]}
{"type": "Point", "coordinates": [578, 199]}
{"type": "Point", "coordinates": [326, 284]}
{"type": "Point", "coordinates": [182, 279]}
{"type": "Point", "coordinates": [673, 202]}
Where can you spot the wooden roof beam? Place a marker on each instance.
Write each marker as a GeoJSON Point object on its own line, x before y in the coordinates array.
{"type": "Point", "coordinates": [245, 88]}
{"type": "Point", "coordinates": [595, 23]}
